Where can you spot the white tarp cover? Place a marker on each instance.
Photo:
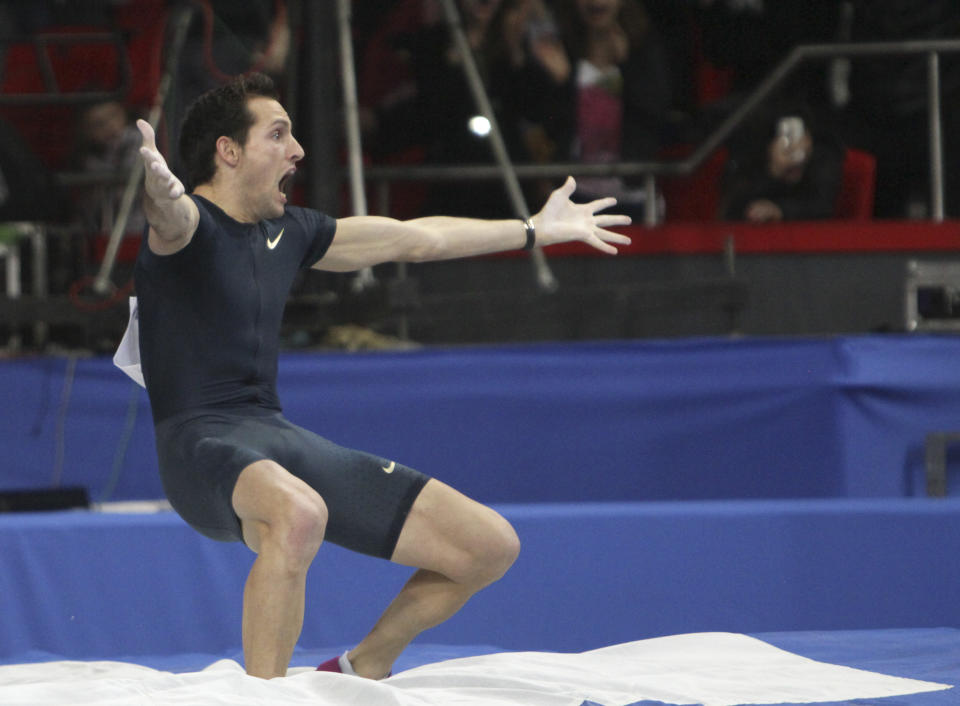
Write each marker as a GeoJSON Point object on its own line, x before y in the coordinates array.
{"type": "Point", "coordinates": [714, 669]}
{"type": "Point", "coordinates": [127, 355]}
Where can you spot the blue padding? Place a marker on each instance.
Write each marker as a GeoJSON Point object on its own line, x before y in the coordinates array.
{"type": "Point", "coordinates": [639, 420]}
{"type": "Point", "coordinates": [67, 425]}
{"type": "Point", "coordinates": [87, 585]}
{"type": "Point", "coordinates": [588, 422]}
{"type": "Point", "coordinates": [927, 654]}
{"type": "Point", "coordinates": [608, 574]}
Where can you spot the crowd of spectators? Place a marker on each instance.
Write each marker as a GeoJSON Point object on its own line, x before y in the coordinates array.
{"type": "Point", "coordinates": [612, 80]}
{"type": "Point", "coordinates": [593, 81]}
{"type": "Point", "coordinates": [569, 81]}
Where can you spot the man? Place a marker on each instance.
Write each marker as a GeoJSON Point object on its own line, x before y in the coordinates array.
{"type": "Point", "coordinates": [212, 279]}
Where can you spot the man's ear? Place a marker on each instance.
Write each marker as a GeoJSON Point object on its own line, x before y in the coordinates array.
{"type": "Point", "coordinates": [228, 150]}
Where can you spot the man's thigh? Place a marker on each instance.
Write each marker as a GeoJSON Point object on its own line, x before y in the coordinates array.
{"type": "Point", "coordinates": [446, 531]}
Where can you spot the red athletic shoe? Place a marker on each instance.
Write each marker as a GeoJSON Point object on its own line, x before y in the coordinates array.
{"type": "Point", "coordinates": [331, 665]}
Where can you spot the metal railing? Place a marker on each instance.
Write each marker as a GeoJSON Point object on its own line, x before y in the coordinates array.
{"type": "Point", "coordinates": [52, 93]}
{"type": "Point", "coordinates": [385, 175]}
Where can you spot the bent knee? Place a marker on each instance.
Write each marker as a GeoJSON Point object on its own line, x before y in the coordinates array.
{"type": "Point", "coordinates": [293, 531]}
{"type": "Point", "coordinates": [507, 550]}
{"type": "Point", "coordinates": [304, 525]}
{"type": "Point", "coordinates": [494, 553]}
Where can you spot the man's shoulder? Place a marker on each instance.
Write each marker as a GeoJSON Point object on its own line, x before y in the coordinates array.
{"type": "Point", "coordinates": [309, 218]}
{"type": "Point", "coordinates": [210, 215]}
{"type": "Point", "coordinates": [316, 227]}
{"type": "Point", "coordinates": [291, 210]}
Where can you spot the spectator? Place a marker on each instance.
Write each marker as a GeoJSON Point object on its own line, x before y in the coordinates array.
{"type": "Point", "coordinates": [434, 110]}
{"type": "Point", "coordinates": [622, 90]}
{"type": "Point", "coordinates": [525, 73]}
{"type": "Point", "coordinates": [108, 144]}
{"type": "Point", "coordinates": [386, 81]}
{"type": "Point", "coordinates": [530, 78]}
{"type": "Point", "coordinates": [782, 168]}
{"type": "Point", "coordinates": [888, 103]}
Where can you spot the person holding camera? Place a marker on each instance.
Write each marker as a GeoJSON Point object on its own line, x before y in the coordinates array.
{"type": "Point", "coordinates": [782, 170]}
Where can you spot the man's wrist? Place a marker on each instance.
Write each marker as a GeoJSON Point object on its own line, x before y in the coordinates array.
{"type": "Point", "coordinates": [531, 234]}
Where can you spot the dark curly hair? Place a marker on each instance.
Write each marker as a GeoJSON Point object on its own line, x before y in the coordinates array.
{"type": "Point", "coordinates": [219, 112]}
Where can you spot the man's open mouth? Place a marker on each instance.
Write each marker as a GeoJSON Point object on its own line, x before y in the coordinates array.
{"type": "Point", "coordinates": [286, 182]}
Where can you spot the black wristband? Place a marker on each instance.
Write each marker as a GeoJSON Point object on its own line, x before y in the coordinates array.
{"type": "Point", "coordinates": [531, 234]}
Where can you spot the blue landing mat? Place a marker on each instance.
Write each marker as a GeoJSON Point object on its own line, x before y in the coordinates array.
{"type": "Point", "coordinates": [929, 655]}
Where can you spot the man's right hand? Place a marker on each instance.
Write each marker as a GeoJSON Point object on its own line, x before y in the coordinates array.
{"type": "Point", "coordinates": [159, 182]}
{"type": "Point", "coordinates": [172, 218]}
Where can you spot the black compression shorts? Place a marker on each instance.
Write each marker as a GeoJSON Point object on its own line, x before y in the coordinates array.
{"type": "Point", "coordinates": [202, 454]}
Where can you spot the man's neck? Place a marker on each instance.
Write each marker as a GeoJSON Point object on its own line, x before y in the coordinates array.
{"type": "Point", "coordinates": [221, 197]}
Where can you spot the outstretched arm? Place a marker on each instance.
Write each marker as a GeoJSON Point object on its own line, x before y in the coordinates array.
{"type": "Point", "coordinates": [363, 241]}
{"type": "Point", "coordinates": [172, 215]}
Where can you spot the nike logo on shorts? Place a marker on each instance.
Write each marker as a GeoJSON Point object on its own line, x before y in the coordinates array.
{"type": "Point", "coordinates": [389, 468]}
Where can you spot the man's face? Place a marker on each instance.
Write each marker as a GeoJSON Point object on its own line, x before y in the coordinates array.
{"type": "Point", "coordinates": [104, 123]}
{"type": "Point", "coordinates": [268, 159]}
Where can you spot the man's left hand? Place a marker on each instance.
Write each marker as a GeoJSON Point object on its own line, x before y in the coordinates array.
{"type": "Point", "coordinates": [561, 220]}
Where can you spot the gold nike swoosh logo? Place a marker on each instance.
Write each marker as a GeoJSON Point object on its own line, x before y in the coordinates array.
{"type": "Point", "coordinates": [271, 244]}
{"type": "Point", "coordinates": [389, 468]}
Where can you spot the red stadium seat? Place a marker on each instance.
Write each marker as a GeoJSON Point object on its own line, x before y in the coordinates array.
{"type": "Point", "coordinates": [695, 197]}
{"type": "Point", "coordinates": [46, 78]}
{"type": "Point", "coordinates": [857, 189]}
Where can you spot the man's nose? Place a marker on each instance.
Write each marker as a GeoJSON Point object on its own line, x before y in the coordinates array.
{"type": "Point", "coordinates": [297, 153]}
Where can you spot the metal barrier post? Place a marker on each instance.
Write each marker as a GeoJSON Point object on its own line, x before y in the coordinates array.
{"type": "Point", "coordinates": [101, 283]}
{"type": "Point", "coordinates": [936, 137]}
{"type": "Point", "coordinates": [545, 277]}
{"type": "Point", "coordinates": [650, 216]}
{"type": "Point", "coordinates": [348, 83]}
